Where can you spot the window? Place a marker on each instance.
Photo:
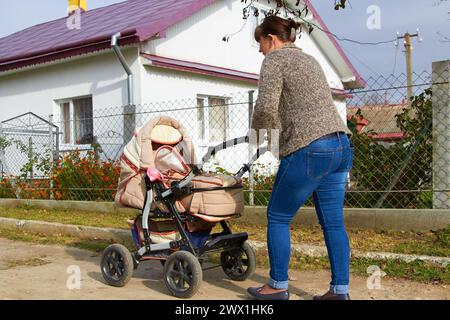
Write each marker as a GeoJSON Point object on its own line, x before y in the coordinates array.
{"type": "Point", "coordinates": [83, 121]}
{"type": "Point", "coordinates": [212, 118]}
{"type": "Point", "coordinates": [217, 119]}
{"type": "Point", "coordinates": [77, 121]}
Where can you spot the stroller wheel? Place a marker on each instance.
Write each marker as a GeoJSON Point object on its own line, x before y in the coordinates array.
{"type": "Point", "coordinates": [239, 264]}
{"type": "Point", "coordinates": [117, 265]}
{"type": "Point", "coordinates": [182, 274]}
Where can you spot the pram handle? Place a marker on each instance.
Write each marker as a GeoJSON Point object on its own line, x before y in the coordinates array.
{"type": "Point", "coordinates": [222, 146]}
{"type": "Point", "coordinates": [231, 143]}
{"type": "Point", "coordinates": [247, 166]}
{"type": "Point", "coordinates": [179, 185]}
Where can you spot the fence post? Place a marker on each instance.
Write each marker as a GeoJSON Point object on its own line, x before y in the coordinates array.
{"type": "Point", "coordinates": [30, 157]}
{"type": "Point", "coordinates": [129, 122]}
{"type": "Point", "coordinates": [251, 180]}
{"type": "Point", "coordinates": [441, 134]}
{"type": "Point", "coordinates": [5, 166]}
{"type": "Point", "coordinates": [57, 133]}
{"type": "Point", "coordinates": [50, 128]}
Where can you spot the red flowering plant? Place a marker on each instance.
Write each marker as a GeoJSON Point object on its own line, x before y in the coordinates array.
{"type": "Point", "coordinates": [33, 188]}
{"type": "Point", "coordinates": [74, 177]}
{"type": "Point", "coordinates": [85, 177]}
{"type": "Point", "coordinates": [6, 187]}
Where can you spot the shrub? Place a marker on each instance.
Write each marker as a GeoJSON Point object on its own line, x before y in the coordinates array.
{"type": "Point", "coordinates": [77, 177]}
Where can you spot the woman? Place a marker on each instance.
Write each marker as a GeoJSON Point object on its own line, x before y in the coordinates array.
{"type": "Point", "coordinates": [315, 151]}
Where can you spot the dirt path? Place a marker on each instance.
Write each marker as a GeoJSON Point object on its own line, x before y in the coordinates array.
{"type": "Point", "coordinates": [32, 271]}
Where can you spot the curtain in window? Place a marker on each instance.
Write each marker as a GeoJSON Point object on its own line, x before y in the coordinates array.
{"type": "Point", "coordinates": [201, 119]}
{"type": "Point", "coordinates": [65, 119]}
{"type": "Point", "coordinates": [217, 119]}
{"type": "Point", "coordinates": [84, 133]}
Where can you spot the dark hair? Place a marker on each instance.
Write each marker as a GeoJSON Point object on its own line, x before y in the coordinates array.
{"type": "Point", "coordinates": [278, 27]}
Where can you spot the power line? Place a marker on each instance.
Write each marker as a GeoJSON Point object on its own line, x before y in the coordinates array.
{"type": "Point", "coordinates": [362, 62]}
{"type": "Point", "coordinates": [444, 38]}
{"type": "Point", "coordinates": [347, 39]}
{"type": "Point", "coordinates": [246, 16]}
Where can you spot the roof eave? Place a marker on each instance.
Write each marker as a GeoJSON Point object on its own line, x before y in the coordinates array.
{"type": "Point", "coordinates": [74, 49]}
{"type": "Point", "coordinates": [199, 68]}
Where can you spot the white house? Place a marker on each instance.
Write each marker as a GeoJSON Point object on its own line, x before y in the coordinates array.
{"type": "Point", "coordinates": [174, 51]}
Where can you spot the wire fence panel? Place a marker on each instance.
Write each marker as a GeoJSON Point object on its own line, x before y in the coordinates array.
{"type": "Point", "coordinates": [26, 142]}
{"type": "Point", "coordinates": [401, 145]}
{"type": "Point", "coordinates": [394, 141]}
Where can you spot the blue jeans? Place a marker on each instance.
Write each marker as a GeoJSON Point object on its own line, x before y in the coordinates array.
{"type": "Point", "coordinates": [319, 169]}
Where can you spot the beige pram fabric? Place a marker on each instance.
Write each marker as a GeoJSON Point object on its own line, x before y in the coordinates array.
{"type": "Point", "coordinates": [163, 143]}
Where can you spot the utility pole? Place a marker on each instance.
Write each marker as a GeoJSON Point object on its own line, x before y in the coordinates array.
{"type": "Point", "coordinates": [407, 36]}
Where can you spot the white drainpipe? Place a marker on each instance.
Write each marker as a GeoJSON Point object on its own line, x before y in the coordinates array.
{"type": "Point", "coordinates": [122, 60]}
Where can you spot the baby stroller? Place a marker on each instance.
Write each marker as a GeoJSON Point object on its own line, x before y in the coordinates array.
{"type": "Point", "coordinates": [180, 206]}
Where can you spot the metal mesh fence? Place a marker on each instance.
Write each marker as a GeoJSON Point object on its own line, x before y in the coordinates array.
{"type": "Point", "coordinates": [398, 130]}
{"type": "Point", "coordinates": [27, 144]}
{"type": "Point", "coordinates": [401, 145]}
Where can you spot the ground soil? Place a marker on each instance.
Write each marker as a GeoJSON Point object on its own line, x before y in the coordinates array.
{"type": "Point", "coordinates": [33, 271]}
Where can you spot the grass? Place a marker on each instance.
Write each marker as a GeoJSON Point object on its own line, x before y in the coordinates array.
{"type": "Point", "coordinates": [95, 245]}
{"type": "Point", "coordinates": [416, 270]}
{"type": "Point", "coordinates": [84, 218]}
{"type": "Point", "coordinates": [434, 243]}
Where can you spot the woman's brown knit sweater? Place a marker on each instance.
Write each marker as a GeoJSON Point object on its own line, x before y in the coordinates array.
{"type": "Point", "coordinates": [294, 93]}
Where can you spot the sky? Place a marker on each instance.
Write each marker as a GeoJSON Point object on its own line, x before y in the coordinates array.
{"type": "Point", "coordinates": [21, 14]}
{"type": "Point", "coordinates": [432, 17]}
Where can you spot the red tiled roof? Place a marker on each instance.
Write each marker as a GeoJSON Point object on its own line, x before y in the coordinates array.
{"type": "Point", "coordinates": [137, 20]}
{"type": "Point", "coordinates": [381, 119]}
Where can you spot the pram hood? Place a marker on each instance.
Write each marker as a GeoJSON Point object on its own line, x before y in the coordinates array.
{"type": "Point", "coordinates": [138, 156]}
{"type": "Point", "coordinates": [161, 130]}
{"type": "Point", "coordinates": [163, 143]}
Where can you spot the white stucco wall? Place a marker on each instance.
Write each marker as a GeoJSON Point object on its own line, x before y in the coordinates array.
{"type": "Point", "coordinates": [165, 90]}
{"type": "Point", "coordinates": [199, 39]}
{"type": "Point", "coordinates": [99, 75]}
{"type": "Point", "coordinates": [37, 89]}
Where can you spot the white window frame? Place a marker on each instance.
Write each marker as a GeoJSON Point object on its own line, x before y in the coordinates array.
{"type": "Point", "coordinates": [206, 141]}
{"type": "Point", "coordinates": [59, 103]}
{"type": "Point", "coordinates": [62, 128]}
